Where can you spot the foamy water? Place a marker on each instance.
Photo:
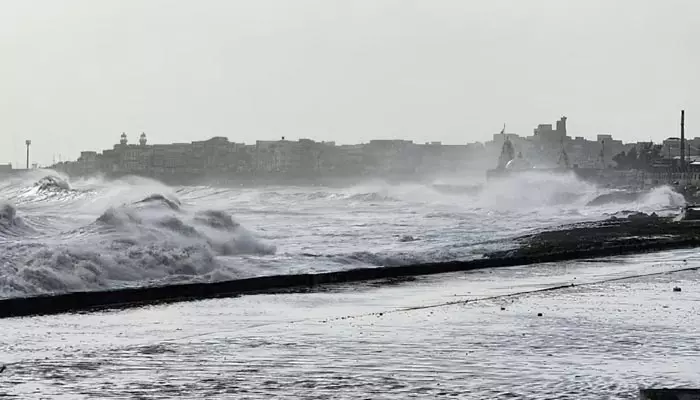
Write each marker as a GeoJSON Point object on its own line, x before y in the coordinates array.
{"type": "Point", "coordinates": [474, 335]}
{"type": "Point", "coordinates": [58, 235]}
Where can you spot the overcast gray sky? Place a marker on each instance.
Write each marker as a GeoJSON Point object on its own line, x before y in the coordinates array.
{"type": "Point", "coordinates": [74, 74]}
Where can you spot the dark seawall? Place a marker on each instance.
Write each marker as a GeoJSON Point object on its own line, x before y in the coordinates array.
{"type": "Point", "coordinates": [134, 297]}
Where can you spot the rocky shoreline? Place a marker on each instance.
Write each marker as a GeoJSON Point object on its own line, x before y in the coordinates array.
{"type": "Point", "coordinates": [638, 233]}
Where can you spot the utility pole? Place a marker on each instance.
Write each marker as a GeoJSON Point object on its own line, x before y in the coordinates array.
{"type": "Point", "coordinates": [28, 143]}
{"type": "Point", "coordinates": [682, 140]}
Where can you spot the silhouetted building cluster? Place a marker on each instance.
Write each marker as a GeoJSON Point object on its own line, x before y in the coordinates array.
{"type": "Point", "coordinates": [308, 158]}
{"type": "Point", "coordinates": [218, 157]}
{"type": "Point", "coordinates": [545, 147]}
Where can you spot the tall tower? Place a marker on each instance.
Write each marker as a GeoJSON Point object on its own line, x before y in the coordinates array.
{"type": "Point", "coordinates": [123, 140]}
{"type": "Point", "coordinates": [28, 143]}
{"type": "Point", "coordinates": [142, 139]}
{"type": "Point", "coordinates": [682, 140]}
{"type": "Point", "coordinates": [561, 126]}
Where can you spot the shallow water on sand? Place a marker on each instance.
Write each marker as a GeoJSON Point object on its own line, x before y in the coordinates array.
{"type": "Point", "coordinates": [600, 339]}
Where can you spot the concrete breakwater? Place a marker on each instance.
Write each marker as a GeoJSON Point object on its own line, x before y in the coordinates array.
{"type": "Point", "coordinates": [583, 241]}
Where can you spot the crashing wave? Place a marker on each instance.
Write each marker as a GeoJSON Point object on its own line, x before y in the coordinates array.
{"type": "Point", "coordinates": [59, 269]}
{"type": "Point", "coordinates": [8, 215]}
{"type": "Point", "coordinates": [516, 193]}
{"type": "Point", "coordinates": [214, 229]}
{"type": "Point", "coordinates": [176, 225]}
{"type": "Point", "coordinates": [52, 183]}
{"type": "Point", "coordinates": [618, 197]}
{"type": "Point", "coordinates": [663, 197]}
{"type": "Point", "coordinates": [371, 197]}
{"type": "Point", "coordinates": [118, 217]}
{"type": "Point", "coordinates": [236, 240]}
{"type": "Point", "coordinates": [242, 245]}
{"type": "Point", "coordinates": [173, 204]}
{"type": "Point", "coordinates": [10, 223]}
{"type": "Point", "coordinates": [659, 199]}
{"type": "Point", "coordinates": [217, 220]}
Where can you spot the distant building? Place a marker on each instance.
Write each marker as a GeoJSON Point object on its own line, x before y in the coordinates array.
{"type": "Point", "coordinates": [220, 158]}
{"type": "Point", "coordinates": [546, 135]}
{"type": "Point", "coordinates": [5, 168]}
{"type": "Point", "coordinates": [87, 163]}
{"type": "Point", "coordinates": [391, 156]}
{"type": "Point", "coordinates": [671, 147]}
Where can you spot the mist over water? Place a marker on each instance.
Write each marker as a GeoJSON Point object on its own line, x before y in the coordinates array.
{"type": "Point", "coordinates": [58, 235]}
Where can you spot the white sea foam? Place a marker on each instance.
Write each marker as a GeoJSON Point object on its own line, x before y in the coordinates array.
{"type": "Point", "coordinates": [58, 234]}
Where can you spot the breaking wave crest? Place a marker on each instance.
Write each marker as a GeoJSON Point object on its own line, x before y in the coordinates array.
{"type": "Point", "coordinates": [61, 235]}
{"type": "Point", "coordinates": [160, 217]}
{"type": "Point", "coordinates": [10, 223]}
{"type": "Point", "coordinates": [153, 240]}
{"type": "Point", "coordinates": [52, 183]}
{"type": "Point", "coordinates": [662, 198]}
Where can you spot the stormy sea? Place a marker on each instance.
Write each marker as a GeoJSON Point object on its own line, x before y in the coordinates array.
{"type": "Point", "coordinates": [482, 334]}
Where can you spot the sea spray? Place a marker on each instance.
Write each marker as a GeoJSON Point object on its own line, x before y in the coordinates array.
{"type": "Point", "coordinates": [135, 231]}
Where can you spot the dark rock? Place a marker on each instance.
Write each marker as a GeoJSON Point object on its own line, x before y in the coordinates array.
{"type": "Point", "coordinates": [676, 289]}
{"type": "Point", "coordinates": [668, 394]}
{"type": "Point", "coordinates": [639, 216]}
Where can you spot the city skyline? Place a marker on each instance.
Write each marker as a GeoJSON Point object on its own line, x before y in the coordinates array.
{"type": "Point", "coordinates": [133, 138]}
{"type": "Point", "coordinates": [78, 73]}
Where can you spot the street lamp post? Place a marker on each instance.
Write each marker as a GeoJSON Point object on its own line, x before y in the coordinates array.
{"type": "Point", "coordinates": [28, 143]}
